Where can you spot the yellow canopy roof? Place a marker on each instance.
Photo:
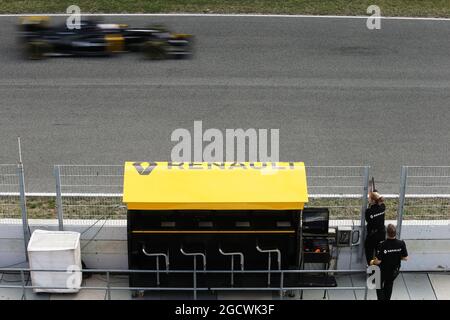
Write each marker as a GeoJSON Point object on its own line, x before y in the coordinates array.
{"type": "Point", "coordinates": [215, 186]}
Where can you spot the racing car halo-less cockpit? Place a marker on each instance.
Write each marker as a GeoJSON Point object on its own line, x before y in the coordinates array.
{"type": "Point", "coordinates": [41, 40]}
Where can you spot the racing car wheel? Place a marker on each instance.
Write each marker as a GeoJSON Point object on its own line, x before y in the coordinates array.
{"type": "Point", "coordinates": [155, 50]}
{"type": "Point", "coordinates": [36, 50]}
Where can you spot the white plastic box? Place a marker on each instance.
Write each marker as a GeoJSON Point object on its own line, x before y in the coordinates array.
{"type": "Point", "coordinates": [55, 250]}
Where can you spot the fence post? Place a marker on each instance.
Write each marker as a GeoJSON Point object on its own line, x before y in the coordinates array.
{"type": "Point", "coordinates": [363, 212]}
{"type": "Point", "coordinates": [23, 207]}
{"type": "Point", "coordinates": [366, 290]}
{"type": "Point", "coordinates": [281, 285]}
{"type": "Point", "coordinates": [195, 278]}
{"type": "Point", "coordinates": [59, 207]}
{"type": "Point", "coordinates": [24, 291]}
{"type": "Point", "coordinates": [108, 285]}
{"type": "Point", "coordinates": [401, 199]}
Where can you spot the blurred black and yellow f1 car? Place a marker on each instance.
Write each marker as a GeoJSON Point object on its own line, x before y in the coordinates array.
{"type": "Point", "coordinates": [41, 40]}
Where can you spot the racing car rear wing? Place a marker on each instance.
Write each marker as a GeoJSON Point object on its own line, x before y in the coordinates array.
{"type": "Point", "coordinates": [35, 20]}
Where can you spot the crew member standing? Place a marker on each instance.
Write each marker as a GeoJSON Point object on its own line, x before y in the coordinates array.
{"type": "Point", "coordinates": [388, 257]}
{"type": "Point", "coordinates": [376, 231]}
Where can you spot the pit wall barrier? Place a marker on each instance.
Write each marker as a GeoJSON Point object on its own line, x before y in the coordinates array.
{"type": "Point", "coordinates": [106, 246]}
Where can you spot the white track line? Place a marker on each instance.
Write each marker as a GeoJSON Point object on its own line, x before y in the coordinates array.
{"type": "Point", "coordinates": [387, 196]}
{"type": "Point", "coordinates": [222, 15]}
{"type": "Point", "coordinates": [316, 196]}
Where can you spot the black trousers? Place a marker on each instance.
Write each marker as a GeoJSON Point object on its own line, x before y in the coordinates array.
{"type": "Point", "coordinates": [371, 243]}
{"type": "Point", "coordinates": [387, 283]}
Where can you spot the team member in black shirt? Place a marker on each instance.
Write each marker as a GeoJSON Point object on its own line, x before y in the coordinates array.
{"type": "Point", "coordinates": [388, 257]}
{"type": "Point", "coordinates": [376, 231]}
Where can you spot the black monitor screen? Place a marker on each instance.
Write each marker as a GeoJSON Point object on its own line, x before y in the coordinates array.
{"type": "Point", "coordinates": [315, 221]}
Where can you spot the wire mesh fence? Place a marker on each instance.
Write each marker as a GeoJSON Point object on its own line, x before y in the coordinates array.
{"type": "Point", "coordinates": [41, 207]}
{"type": "Point", "coordinates": [90, 192]}
{"type": "Point", "coordinates": [341, 189]}
{"type": "Point", "coordinates": [9, 191]}
{"type": "Point", "coordinates": [426, 193]}
{"type": "Point", "coordinates": [95, 192]}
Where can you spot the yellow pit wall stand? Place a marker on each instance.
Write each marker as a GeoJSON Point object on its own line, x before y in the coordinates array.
{"type": "Point", "coordinates": [213, 216]}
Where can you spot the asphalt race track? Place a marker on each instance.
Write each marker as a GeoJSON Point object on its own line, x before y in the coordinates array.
{"type": "Point", "coordinates": [339, 93]}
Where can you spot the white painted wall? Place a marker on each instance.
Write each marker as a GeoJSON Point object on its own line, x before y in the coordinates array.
{"type": "Point", "coordinates": [428, 243]}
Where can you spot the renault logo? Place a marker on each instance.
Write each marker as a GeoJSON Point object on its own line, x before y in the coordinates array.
{"type": "Point", "coordinates": [145, 171]}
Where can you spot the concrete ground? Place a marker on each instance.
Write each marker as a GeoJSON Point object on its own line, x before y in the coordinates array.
{"type": "Point", "coordinates": [408, 286]}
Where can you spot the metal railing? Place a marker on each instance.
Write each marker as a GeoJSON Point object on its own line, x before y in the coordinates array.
{"type": "Point", "coordinates": [424, 194]}
{"type": "Point", "coordinates": [90, 192]}
{"type": "Point", "coordinates": [195, 288]}
{"type": "Point", "coordinates": [9, 188]}
{"type": "Point", "coordinates": [13, 203]}
{"type": "Point", "coordinates": [342, 189]}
